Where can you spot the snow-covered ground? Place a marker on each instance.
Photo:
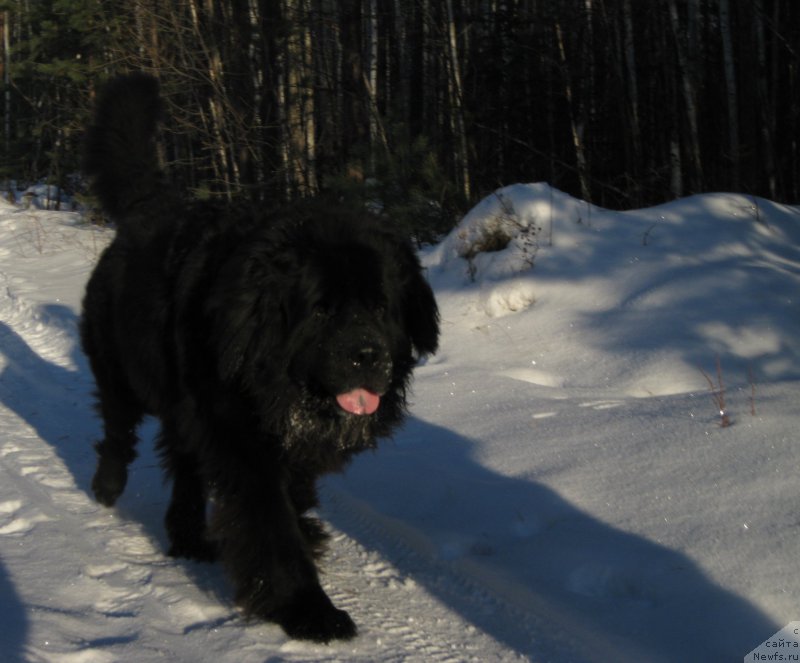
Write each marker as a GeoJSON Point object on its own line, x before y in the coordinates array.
{"type": "Point", "coordinates": [562, 492]}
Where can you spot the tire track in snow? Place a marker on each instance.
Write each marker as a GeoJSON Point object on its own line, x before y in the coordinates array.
{"type": "Point", "coordinates": [484, 610]}
{"type": "Point", "coordinates": [396, 616]}
{"type": "Point", "coordinates": [458, 614]}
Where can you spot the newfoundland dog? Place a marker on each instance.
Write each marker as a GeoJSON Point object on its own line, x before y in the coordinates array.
{"type": "Point", "coordinates": [272, 348]}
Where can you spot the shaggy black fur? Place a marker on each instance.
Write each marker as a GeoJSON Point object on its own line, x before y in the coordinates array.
{"type": "Point", "coordinates": [239, 333]}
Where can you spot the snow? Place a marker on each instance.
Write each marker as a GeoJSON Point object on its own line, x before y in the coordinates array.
{"type": "Point", "coordinates": [563, 490]}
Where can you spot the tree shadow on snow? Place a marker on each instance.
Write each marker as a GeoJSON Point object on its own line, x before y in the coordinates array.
{"type": "Point", "coordinates": [455, 526]}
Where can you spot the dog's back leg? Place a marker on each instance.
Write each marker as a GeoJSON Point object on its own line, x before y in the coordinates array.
{"type": "Point", "coordinates": [186, 516]}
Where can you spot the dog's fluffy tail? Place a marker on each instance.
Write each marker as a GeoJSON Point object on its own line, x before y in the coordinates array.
{"type": "Point", "coordinates": [121, 154]}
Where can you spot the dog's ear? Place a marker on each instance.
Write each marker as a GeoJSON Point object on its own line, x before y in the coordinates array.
{"type": "Point", "coordinates": [247, 321]}
{"type": "Point", "coordinates": [234, 336]}
{"type": "Point", "coordinates": [420, 311]}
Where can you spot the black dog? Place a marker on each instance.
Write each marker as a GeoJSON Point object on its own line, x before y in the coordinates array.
{"type": "Point", "coordinates": [271, 349]}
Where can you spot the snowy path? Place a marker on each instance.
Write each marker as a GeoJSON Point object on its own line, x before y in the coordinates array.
{"type": "Point", "coordinates": [81, 583]}
{"type": "Point", "coordinates": [118, 597]}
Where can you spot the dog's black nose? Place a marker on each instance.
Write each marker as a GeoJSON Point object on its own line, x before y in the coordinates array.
{"type": "Point", "coordinates": [368, 356]}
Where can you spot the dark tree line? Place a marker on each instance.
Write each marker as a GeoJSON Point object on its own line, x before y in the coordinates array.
{"type": "Point", "coordinates": [424, 105]}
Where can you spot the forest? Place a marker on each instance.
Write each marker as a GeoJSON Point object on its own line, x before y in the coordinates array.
{"type": "Point", "coordinates": [421, 106]}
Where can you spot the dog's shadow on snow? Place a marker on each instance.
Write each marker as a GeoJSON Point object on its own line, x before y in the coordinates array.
{"type": "Point", "coordinates": [54, 400]}
{"type": "Point", "coordinates": [38, 392]}
{"type": "Point", "coordinates": [57, 403]}
{"type": "Point", "coordinates": [458, 528]}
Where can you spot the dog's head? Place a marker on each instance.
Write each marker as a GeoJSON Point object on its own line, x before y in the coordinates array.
{"type": "Point", "coordinates": [333, 311]}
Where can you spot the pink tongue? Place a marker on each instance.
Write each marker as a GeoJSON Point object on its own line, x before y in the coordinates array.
{"type": "Point", "coordinates": [359, 401]}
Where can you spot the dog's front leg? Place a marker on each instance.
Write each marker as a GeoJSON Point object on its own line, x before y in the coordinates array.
{"type": "Point", "coordinates": [271, 562]}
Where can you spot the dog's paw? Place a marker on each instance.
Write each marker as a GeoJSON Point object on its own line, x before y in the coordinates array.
{"type": "Point", "coordinates": [313, 617]}
{"type": "Point", "coordinates": [186, 529]}
{"type": "Point", "coordinates": [198, 551]}
{"type": "Point", "coordinates": [109, 481]}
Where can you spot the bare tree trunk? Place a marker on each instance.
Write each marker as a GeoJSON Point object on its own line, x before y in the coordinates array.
{"type": "Point", "coordinates": [675, 165]}
{"type": "Point", "coordinates": [766, 109]}
{"type": "Point", "coordinates": [418, 69]}
{"type": "Point", "coordinates": [577, 138]}
{"type": "Point", "coordinates": [633, 94]}
{"type": "Point", "coordinates": [6, 64]}
{"type": "Point", "coordinates": [371, 79]}
{"type": "Point", "coordinates": [355, 121]}
{"type": "Point", "coordinates": [730, 86]}
{"type": "Point", "coordinates": [298, 104]}
{"type": "Point", "coordinates": [308, 115]}
{"type": "Point", "coordinates": [689, 97]}
{"type": "Point", "coordinates": [224, 168]}
{"type": "Point", "coordinates": [456, 103]}
{"type": "Point", "coordinates": [693, 35]}
{"type": "Point", "coordinates": [588, 110]}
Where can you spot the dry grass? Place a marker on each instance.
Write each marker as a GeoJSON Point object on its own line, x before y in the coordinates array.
{"type": "Point", "coordinates": [718, 395]}
{"type": "Point", "coordinates": [38, 235]}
